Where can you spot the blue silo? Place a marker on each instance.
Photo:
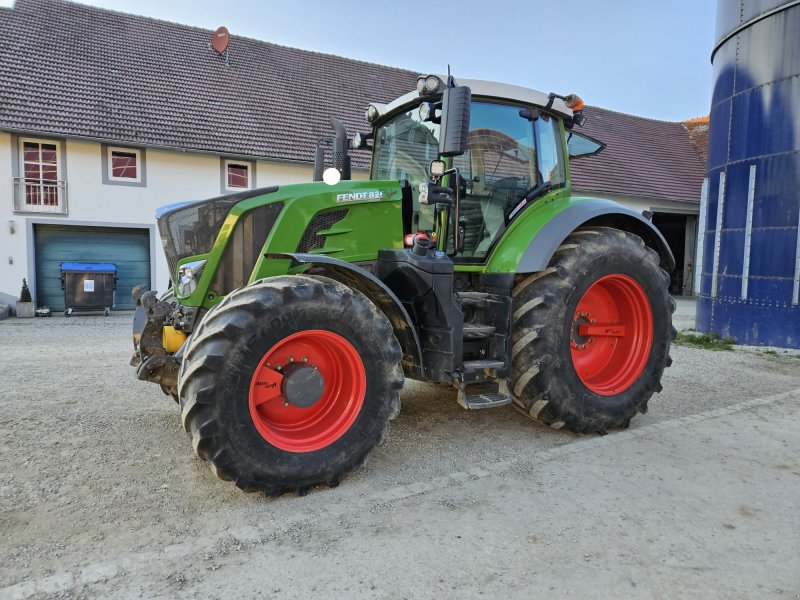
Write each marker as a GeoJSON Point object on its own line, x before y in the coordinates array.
{"type": "Point", "coordinates": [750, 208]}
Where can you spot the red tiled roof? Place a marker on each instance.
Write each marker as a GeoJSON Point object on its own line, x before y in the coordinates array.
{"type": "Point", "coordinates": [643, 157]}
{"type": "Point", "coordinates": [83, 71]}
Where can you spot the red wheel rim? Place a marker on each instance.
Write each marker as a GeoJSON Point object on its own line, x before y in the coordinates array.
{"type": "Point", "coordinates": [305, 429]}
{"type": "Point", "coordinates": [611, 334]}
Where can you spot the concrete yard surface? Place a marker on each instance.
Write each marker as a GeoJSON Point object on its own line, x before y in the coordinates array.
{"type": "Point", "coordinates": [101, 495]}
{"type": "Point", "coordinates": [684, 315]}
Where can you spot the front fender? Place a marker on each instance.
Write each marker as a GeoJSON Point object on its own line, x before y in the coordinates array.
{"type": "Point", "coordinates": [373, 288]}
{"type": "Point", "coordinates": [529, 247]}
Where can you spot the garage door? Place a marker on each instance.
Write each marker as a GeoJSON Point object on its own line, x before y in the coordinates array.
{"type": "Point", "coordinates": [129, 249]}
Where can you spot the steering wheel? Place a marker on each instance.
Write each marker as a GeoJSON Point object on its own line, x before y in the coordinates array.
{"type": "Point", "coordinates": [506, 190]}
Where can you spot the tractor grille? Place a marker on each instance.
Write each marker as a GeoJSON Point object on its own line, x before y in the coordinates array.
{"type": "Point", "coordinates": [311, 239]}
{"type": "Point", "coordinates": [192, 229]}
{"type": "Point", "coordinates": [244, 248]}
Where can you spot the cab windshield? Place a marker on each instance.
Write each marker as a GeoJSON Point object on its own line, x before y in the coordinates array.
{"type": "Point", "coordinates": [509, 153]}
{"type": "Point", "coordinates": [403, 150]}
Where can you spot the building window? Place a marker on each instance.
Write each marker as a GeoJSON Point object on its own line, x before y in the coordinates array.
{"type": "Point", "coordinates": [39, 187]}
{"type": "Point", "coordinates": [237, 175]}
{"type": "Point", "coordinates": [124, 165]}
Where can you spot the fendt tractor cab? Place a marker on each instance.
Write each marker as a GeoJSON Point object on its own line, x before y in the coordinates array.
{"type": "Point", "coordinates": [296, 312]}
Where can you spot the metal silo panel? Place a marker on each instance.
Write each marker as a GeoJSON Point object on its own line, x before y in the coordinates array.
{"type": "Point", "coordinates": [750, 272]}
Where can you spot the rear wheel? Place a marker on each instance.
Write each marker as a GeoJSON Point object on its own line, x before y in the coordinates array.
{"type": "Point", "coordinates": [592, 332]}
{"type": "Point", "coordinates": [290, 382]}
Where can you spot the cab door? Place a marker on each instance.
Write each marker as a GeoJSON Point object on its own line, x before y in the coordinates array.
{"type": "Point", "coordinates": [511, 150]}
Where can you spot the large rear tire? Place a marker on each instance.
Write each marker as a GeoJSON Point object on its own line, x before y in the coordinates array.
{"type": "Point", "coordinates": [290, 382]}
{"type": "Point", "coordinates": [591, 333]}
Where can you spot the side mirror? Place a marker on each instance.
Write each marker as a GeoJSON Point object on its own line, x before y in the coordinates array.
{"type": "Point", "coordinates": [454, 132]}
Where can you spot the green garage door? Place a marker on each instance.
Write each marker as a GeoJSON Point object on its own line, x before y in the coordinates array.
{"type": "Point", "coordinates": [129, 249]}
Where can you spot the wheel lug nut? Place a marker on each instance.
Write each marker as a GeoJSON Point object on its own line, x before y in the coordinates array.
{"type": "Point", "coordinates": [291, 359]}
{"type": "Point", "coordinates": [305, 359]}
{"type": "Point", "coordinates": [286, 403]}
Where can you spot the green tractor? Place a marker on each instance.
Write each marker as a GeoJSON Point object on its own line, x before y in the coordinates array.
{"type": "Point", "coordinates": [297, 312]}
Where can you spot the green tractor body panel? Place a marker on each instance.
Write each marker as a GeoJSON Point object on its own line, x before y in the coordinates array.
{"type": "Point", "coordinates": [370, 220]}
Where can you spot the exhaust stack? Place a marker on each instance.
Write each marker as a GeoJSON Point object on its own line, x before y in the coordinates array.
{"type": "Point", "coordinates": [339, 145]}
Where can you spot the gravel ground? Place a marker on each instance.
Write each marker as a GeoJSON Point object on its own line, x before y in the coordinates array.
{"type": "Point", "coordinates": [102, 496]}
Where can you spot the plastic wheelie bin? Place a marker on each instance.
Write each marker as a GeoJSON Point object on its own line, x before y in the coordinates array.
{"type": "Point", "coordinates": [88, 286]}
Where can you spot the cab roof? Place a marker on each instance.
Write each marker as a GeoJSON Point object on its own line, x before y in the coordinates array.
{"type": "Point", "coordinates": [491, 89]}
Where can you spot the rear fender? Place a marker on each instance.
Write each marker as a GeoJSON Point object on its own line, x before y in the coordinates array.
{"type": "Point", "coordinates": [586, 214]}
{"type": "Point", "coordinates": [373, 288]}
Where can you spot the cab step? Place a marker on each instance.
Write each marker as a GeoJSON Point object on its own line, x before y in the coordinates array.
{"type": "Point", "coordinates": [474, 331]}
{"type": "Point", "coordinates": [473, 298]}
{"type": "Point", "coordinates": [484, 395]}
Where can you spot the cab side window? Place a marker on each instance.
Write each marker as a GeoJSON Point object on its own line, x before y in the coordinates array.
{"type": "Point", "coordinates": [550, 153]}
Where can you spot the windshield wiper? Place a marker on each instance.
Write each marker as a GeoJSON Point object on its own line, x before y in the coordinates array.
{"type": "Point", "coordinates": [537, 191]}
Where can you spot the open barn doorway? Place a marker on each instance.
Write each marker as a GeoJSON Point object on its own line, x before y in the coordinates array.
{"type": "Point", "coordinates": [679, 232]}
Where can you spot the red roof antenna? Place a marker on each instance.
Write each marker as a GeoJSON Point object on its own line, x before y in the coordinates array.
{"type": "Point", "coordinates": [220, 42]}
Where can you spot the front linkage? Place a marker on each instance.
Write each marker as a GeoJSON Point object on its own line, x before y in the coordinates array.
{"type": "Point", "coordinates": [160, 329]}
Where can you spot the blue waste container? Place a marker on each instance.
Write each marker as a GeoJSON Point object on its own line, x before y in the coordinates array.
{"type": "Point", "coordinates": [88, 286]}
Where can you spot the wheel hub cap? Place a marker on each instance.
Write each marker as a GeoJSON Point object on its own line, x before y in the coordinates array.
{"type": "Point", "coordinates": [302, 385]}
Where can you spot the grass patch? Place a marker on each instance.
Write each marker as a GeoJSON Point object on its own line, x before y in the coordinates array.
{"type": "Point", "coordinates": [708, 341]}
{"type": "Point", "coordinates": [770, 353]}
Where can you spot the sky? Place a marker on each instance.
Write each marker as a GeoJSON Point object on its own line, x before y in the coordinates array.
{"type": "Point", "coordinates": [641, 57]}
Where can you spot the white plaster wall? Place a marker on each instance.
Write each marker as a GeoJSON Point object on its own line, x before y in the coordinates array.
{"type": "Point", "coordinates": [276, 173]}
{"type": "Point", "coordinates": [170, 177]}
{"type": "Point", "coordinates": [13, 257]}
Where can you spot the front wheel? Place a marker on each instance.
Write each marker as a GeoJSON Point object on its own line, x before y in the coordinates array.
{"type": "Point", "coordinates": [290, 382]}
{"type": "Point", "coordinates": [591, 333]}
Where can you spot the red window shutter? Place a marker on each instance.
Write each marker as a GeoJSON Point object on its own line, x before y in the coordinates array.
{"type": "Point", "coordinates": [238, 176]}
{"type": "Point", "coordinates": [123, 165]}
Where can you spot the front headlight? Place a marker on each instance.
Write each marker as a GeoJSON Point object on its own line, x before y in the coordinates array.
{"type": "Point", "coordinates": [188, 276]}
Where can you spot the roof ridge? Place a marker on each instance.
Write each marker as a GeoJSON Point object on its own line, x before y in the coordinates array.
{"type": "Point", "coordinates": [626, 114]}
{"type": "Point", "coordinates": [197, 28]}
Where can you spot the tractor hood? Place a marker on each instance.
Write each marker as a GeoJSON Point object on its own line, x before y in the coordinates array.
{"type": "Point", "coordinates": [191, 228]}
{"type": "Point", "coordinates": [221, 243]}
